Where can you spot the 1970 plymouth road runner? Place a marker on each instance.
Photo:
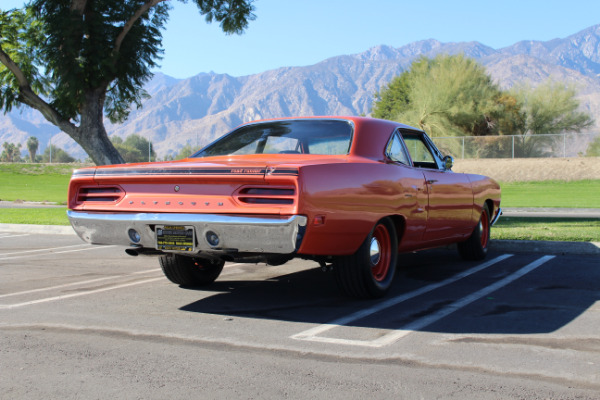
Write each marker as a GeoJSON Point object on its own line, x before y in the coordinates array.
{"type": "Point", "coordinates": [348, 192]}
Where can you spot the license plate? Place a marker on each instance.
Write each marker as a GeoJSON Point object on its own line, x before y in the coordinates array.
{"type": "Point", "coordinates": [175, 237]}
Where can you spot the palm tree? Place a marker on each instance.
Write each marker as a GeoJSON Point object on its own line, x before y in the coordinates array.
{"type": "Point", "coordinates": [32, 146]}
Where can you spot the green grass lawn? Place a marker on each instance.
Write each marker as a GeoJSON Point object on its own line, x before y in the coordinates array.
{"type": "Point", "coordinates": [560, 229]}
{"type": "Point", "coordinates": [44, 182]}
{"type": "Point", "coordinates": [49, 182]}
{"type": "Point", "coordinates": [562, 194]}
{"type": "Point", "coordinates": [35, 182]}
{"type": "Point", "coordinates": [38, 216]}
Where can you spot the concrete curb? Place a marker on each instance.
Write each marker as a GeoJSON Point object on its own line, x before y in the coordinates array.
{"type": "Point", "coordinates": [546, 247]}
{"type": "Point", "coordinates": [27, 228]}
{"type": "Point", "coordinates": [531, 212]}
{"type": "Point", "coordinates": [511, 246]}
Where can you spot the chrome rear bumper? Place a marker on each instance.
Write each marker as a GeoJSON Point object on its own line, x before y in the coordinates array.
{"type": "Point", "coordinates": [252, 234]}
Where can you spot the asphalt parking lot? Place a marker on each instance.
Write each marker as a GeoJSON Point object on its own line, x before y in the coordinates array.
{"type": "Point", "coordinates": [80, 321]}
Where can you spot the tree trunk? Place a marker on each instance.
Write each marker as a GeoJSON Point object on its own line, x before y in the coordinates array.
{"type": "Point", "coordinates": [94, 140]}
{"type": "Point", "coordinates": [91, 134]}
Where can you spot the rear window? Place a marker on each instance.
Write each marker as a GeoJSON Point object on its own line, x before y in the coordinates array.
{"type": "Point", "coordinates": [306, 136]}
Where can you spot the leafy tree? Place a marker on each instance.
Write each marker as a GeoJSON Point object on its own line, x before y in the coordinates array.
{"type": "Point", "coordinates": [394, 98]}
{"type": "Point", "coordinates": [593, 149]}
{"type": "Point", "coordinates": [32, 147]}
{"type": "Point", "coordinates": [55, 154]}
{"type": "Point", "coordinates": [11, 152]}
{"type": "Point", "coordinates": [445, 96]}
{"type": "Point", "coordinates": [454, 96]}
{"type": "Point", "coordinates": [77, 61]}
{"type": "Point", "coordinates": [550, 108]}
{"type": "Point", "coordinates": [134, 148]}
{"type": "Point", "coordinates": [185, 152]}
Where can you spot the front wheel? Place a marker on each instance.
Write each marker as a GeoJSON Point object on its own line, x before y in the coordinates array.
{"type": "Point", "coordinates": [476, 246]}
{"type": "Point", "coordinates": [369, 272]}
{"type": "Point", "coordinates": [189, 271]}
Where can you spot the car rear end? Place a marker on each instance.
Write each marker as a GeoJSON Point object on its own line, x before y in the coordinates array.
{"type": "Point", "coordinates": [188, 207]}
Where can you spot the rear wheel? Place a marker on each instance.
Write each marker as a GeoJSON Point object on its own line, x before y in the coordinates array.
{"type": "Point", "coordinates": [476, 246]}
{"type": "Point", "coordinates": [188, 271]}
{"type": "Point", "coordinates": [370, 271]}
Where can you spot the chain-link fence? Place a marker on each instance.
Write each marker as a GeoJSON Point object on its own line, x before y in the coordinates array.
{"type": "Point", "coordinates": [519, 146]}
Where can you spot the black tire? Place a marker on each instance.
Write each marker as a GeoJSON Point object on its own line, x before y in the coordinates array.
{"type": "Point", "coordinates": [476, 246]}
{"type": "Point", "coordinates": [366, 274]}
{"type": "Point", "coordinates": [188, 271]}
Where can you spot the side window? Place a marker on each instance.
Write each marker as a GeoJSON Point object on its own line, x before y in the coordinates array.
{"type": "Point", "coordinates": [281, 144]}
{"type": "Point", "coordinates": [396, 151]}
{"type": "Point", "coordinates": [419, 152]}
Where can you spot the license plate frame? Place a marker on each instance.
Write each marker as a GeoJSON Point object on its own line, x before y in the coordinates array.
{"type": "Point", "coordinates": [175, 238]}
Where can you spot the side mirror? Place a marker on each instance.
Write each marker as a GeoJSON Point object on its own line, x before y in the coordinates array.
{"type": "Point", "coordinates": [448, 163]}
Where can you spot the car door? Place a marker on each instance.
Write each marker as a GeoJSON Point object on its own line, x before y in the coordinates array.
{"type": "Point", "coordinates": [449, 194]}
{"type": "Point", "coordinates": [413, 200]}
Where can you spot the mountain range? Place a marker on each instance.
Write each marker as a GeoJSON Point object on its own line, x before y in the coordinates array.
{"type": "Point", "coordinates": [201, 108]}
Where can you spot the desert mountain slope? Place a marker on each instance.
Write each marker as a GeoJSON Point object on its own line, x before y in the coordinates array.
{"type": "Point", "coordinates": [199, 109]}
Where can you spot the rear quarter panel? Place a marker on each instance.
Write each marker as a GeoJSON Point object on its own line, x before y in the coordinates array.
{"type": "Point", "coordinates": [344, 201]}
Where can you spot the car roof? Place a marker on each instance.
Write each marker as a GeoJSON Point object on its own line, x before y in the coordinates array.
{"type": "Point", "coordinates": [371, 135]}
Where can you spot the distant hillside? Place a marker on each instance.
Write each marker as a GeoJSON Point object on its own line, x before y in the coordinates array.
{"type": "Point", "coordinates": [199, 109]}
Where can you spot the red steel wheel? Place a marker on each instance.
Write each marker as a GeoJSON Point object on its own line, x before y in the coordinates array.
{"type": "Point", "coordinates": [380, 253]}
{"type": "Point", "coordinates": [369, 272]}
{"type": "Point", "coordinates": [484, 227]}
{"type": "Point", "coordinates": [476, 246]}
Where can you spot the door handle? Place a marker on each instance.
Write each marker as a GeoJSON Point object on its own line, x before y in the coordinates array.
{"type": "Point", "coordinates": [430, 181]}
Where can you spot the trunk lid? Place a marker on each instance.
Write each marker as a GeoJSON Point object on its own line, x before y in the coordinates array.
{"type": "Point", "coordinates": [217, 186]}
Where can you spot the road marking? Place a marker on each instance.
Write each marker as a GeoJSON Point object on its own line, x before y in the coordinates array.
{"type": "Point", "coordinates": [51, 251]}
{"type": "Point", "coordinates": [395, 335]}
{"type": "Point", "coordinates": [69, 296]}
{"type": "Point", "coordinates": [45, 289]}
{"type": "Point", "coordinates": [311, 333]}
{"type": "Point", "coordinates": [430, 319]}
{"type": "Point", "coordinates": [4, 236]}
{"type": "Point", "coordinates": [42, 250]}
{"type": "Point", "coordinates": [61, 297]}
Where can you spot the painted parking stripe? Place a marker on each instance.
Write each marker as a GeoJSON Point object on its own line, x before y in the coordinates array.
{"type": "Point", "coordinates": [45, 289]}
{"type": "Point", "coordinates": [50, 249]}
{"type": "Point", "coordinates": [4, 236]}
{"type": "Point", "coordinates": [62, 297]}
{"type": "Point", "coordinates": [395, 335]}
{"type": "Point", "coordinates": [86, 247]}
{"type": "Point", "coordinates": [70, 296]}
{"type": "Point", "coordinates": [311, 334]}
{"type": "Point", "coordinates": [465, 301]}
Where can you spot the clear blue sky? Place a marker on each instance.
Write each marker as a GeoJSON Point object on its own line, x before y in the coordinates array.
{"type": "Point", "coordinates": [296, 33]}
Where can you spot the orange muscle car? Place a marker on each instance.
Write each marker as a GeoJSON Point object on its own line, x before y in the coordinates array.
{"type": "Point", "coordinates": [350, 193]}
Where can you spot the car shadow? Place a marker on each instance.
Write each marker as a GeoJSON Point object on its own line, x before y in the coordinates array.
{"type": "Point", "coordinates": [539, 302]}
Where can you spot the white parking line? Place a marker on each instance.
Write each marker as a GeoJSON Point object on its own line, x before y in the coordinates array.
{"type": "Point", "coordinates": [395, 335]}
{"type": "Point", "coordinates": [45, 289]}
{"type": "Point", "coordinates": [62, 297]}
{"type": "Point", "coordinates": [6, 235]}
{"type": "Point", "coordinates": [69, 296]}
{"type": "Point", "coordinates": [50, 249]}
{"type": "Point", "coordinates": [312, 334]}
{"type": "Point", "coordinates": [86, 247]}
{"type": "Point", "coordinates": [430, 319]}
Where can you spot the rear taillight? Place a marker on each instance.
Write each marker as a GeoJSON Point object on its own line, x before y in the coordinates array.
{"type": "Point", "coordinates": [267, 195]}
{"type": "Point", "coordinates": [100, 194]}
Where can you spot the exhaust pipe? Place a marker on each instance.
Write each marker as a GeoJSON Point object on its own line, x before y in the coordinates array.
{"type": "Point", "coordinates": [141, 251]}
